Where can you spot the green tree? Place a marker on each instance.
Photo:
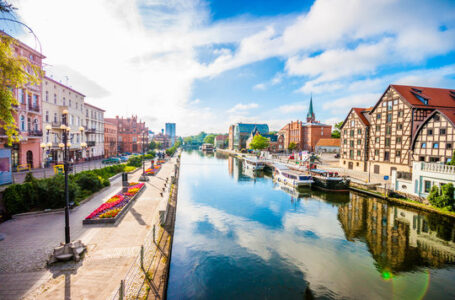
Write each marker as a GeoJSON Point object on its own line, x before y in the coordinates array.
{"type": "Point", "coordinates": [209, 139]}
{"type": "Point", "coordinates": [442, 197]}
{"type": "Point", "coordinates": [152, 145]}
{"type": "Point", "coordinates": [452, 160]}
{"type": "Point", "coordinates": [259, 142]}
{"type": "Point", "coordinates": [336, 133]}
{"type": "Point", "coordinates": [15, 72]}
{"type": "Point", "coordinates": [292, 146]}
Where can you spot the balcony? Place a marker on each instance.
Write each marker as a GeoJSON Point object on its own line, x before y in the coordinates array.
{"type": "Point", "coordinates": [89, 130]}
{"type": "Point", "coordinates": [33, 108]}
{"type": "Point", "coordinates": [91, 143]}
{"type": "Point", "coordinates": [35, 133]}
{"type": "Point", "coordinates": [56, 124]}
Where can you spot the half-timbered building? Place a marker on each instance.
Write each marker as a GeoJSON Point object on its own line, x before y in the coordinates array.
{"type": "Point", "coordinates": [354, 140]}
{"type": "Point", "coordinates": [434, 139]}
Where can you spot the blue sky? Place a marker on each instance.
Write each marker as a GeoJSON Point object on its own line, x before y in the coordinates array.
{"type": "Point", "coordinates": [207, 64]}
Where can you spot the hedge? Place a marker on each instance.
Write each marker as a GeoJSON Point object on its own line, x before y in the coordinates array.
{"type": "Point", "coordinates": [39, 194]}
{"type": "Point", "coordinates": [136, 160]}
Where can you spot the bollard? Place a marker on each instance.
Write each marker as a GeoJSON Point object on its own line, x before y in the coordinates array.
{"type": "Point", "coordinates": [124, 182]}
{"type": "Point", "coordinates": [154, 234]}
{"type": "Point", "coordinates": [142, 256]}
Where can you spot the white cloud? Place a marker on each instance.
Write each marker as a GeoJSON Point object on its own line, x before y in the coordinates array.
{"type": "Point", "coordinates": [239, 107]}
{"type": "Point", "coordinates": [292, 108]}
{"type": "Point", "coordinates": [259, 87]}
{"type": "Point", "coordinates": [194, 102]}
{"type": "Point", "coordinates": [344, 104]}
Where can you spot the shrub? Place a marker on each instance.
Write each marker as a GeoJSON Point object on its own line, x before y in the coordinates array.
{"type": "Point", "coordinates": [442, 197]}
{"type": "Point", "coordinates": [89, 181]}
{"type": "Point", "coordinates": [135, 161]}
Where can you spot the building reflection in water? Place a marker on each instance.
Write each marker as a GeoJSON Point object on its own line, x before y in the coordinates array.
{"type": "Point", "coordinates": [399, 239]}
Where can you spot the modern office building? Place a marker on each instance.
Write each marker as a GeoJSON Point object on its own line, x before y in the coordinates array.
{"type": "Point", "coordinates": [170, 132]}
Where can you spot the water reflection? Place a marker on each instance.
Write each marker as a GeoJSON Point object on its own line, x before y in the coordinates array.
{"type": "Point", "coordinates": [399, 239]}
{"type": "Point", "coordinates": [237, 237]}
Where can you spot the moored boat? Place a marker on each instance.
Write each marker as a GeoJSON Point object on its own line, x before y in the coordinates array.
{"type": "Point", "coordinates": [207, 147]}
{"type": "Point", "coordinates": [292, 178]}
{"type": "Point", "coordinates": [254, 164]}
{"type": "Point", "coordinates": [329, 180]}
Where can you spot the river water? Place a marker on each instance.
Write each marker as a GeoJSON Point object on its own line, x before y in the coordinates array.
{"type": "Point", "coordinates": [238, 236]}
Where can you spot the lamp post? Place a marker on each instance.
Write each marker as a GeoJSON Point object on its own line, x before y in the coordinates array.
{"type": "Point", "coordinates": [143, 176]}
{"type": "Point", "coordinates": [64, 145]}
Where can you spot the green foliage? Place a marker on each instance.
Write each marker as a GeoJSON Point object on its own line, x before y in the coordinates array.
{"type": "Point", "coordinates": [152, 145]}
{"type": "Point", "coordinates": [259, 142]}
{"type": "Point", "coordinates": [452, 160]}
{"type": "Point", "coordinates": [134, 161]}
{"type": "Point", "coordinates": [210, 139]}
{"type": "Point", "coordinates": [336, 133]}
{"type": "Point", "coordinates": [292, 146]}
{"type": "Point", "coordinates": [29, 177]}
{"type": "Point", "coordinates": [195, 140]}
{"type": "Point", "coordinates": [171, 151]}
{"type": "Point", "coordinates": [39, 194]}
{"type": "Point", "coordinates": [442, 197]}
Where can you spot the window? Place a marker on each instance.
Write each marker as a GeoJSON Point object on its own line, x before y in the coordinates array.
{"type": "Point", "coordinates": [55, 98]}
{"type": "Point", "coordinates": [69, 102]}
{"type": "Point", "coordinates": [434, 159]}
{"type": "Point", "coordinates": [77, 104]}
{"type": "Point", "coordinates": [358, 153]}
{"type": "Point", "coordinates": [35, 100]}
{"type": "Point", "coordinates": [47, 96]}
{"type": "Point", "coordinates": [55, 118]}
{"type": "Point", "coordinates": [442, 131]}
{"type": "Point", "coordinates": [386, 155]}
{"type": "Point", "coordinates": [376, 169]}
{"type": "Point", "coordinates": [398, 140]}
{"type": "Point", "coordinates": [430, 131]}
{"type": "Point", "coordinates": [345, 141]}
{"type": "Point", "coordinates": [47, 116]}
{"type": "Point", "coordinates": [389, 118]}
{"type": "Point", "coordinates": [352, 123]}
{"type": "Point", "coordinates": [376, 152]}
{"type": "Point", "coordinates": [399, 126]}
{"type": "Point", "coordinates": [398, 153]}
{"type": "Point", "coordinates": [22, 96]}
{"type": "Point", "coordinates": [423, 146]}
{"type": "Point", "coordinates": [427, 186]}
{"type": "Point", "coordinates": [389, 105]}
{"type": "Point", "coordinates": [400, 113]}
{"type": "Point", "coordinates": [378, 127]}
{"type": "Point", "coordinates": [436, 118]}
{"type": "Point", "coordinates": [359, 131]}
{"type": "Point", "coordinates": [435, 145]}
{"type": "Point", "coordinates": [378, 116]}
{"type": "Point", "coordinates": [345, 131]}
{"type": "Point", "coordinates": [421, 158]}
{"type": "Point", "coordinates": [384, 103]}
{"type": "Point", "coordinates": [357, 164]}
{"type": "Point", "coordinates": [64, 101]}
{"type": "Point", "coordinates": [351, 153]}
{"type": "Point", "coordinates": [359, 142]}
{"type": "Point", "coordinates": [22, 123]}
{"type": "Point", "coordinates": [388, 130]}
{"type": "Point", "coordinates": [351, 143]}
{"type": "Point", "coordinates": [387, 141]}
{"type": "Point", "coordinates": [377, 140]}
{"type": "Point", "coordinates": [351, 132]}
{"type": "Point", "coordinates": [449, 146]}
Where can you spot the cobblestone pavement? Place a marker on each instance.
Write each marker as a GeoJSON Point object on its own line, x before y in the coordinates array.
{"type": "Point", "coordinates": [30, 239]}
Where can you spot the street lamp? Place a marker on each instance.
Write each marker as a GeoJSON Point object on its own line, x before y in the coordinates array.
{"type": "Point", "coordinates": [65, 143]}
{"type": "Point", "coordinates": [143, 176]}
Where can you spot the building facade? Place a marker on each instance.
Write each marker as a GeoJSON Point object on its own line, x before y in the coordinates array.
{"type": "Point", "coordinates": [242, 131]}
{"type": "Point", "coordinates": [305, 135]}
{"type": "Point", "coordinates": [330, 145]}
{"type": "Point", "coordinates": [170, 132]}
{"type": "Point", "coordinates": [354, 140]}
{"type": "Point", "coordinates": [28, 116]}
{"type": "Point", "coordinates": [94, 130]}
{"type": "Point", "coordinates": [132, 134]}
{"type": "Point", "coordinates": [110, 139]}
{"type": "Point", "coordinates": [221, 141]}
{"type": "Point", "coordinates": [434, 139]}
{"type": "Point", "coordinates": [58, 97]}
{"type": "Point", "coordinates": [231, 137]}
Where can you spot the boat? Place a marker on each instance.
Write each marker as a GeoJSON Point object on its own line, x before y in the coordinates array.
{"type": "Point", "coordinates": [293, 192]}
{"type": "Point", "coordinates": [292, 178]}
{"type": "Point", "coordinates": [207, 147]}
{"type": "Point", "coordinates": [254, 164]}
{"type": "Point", "coordinates": [329, 180]}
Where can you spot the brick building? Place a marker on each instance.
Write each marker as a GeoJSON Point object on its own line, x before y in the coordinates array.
{"type": "Point", "coordinates": [130, 134]}
{"type": "Point", "coordinates": [27, 115]}
{"type": "Point", "coordinates": [304, 135]}
{"type": "Point", "coordinates": [110, 139]}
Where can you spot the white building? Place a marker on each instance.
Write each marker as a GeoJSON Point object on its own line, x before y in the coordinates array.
{"type": "Point", "coordinates": [94, 130]}
{"type": "Point", "coordinates": [424, 176]}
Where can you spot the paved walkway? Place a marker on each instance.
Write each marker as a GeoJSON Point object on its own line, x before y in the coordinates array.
{"type": "Point", "coordinates": [111, 249]}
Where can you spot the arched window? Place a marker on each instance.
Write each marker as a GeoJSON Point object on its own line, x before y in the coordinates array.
{"type": "Point", "coordinates": [22, 123]}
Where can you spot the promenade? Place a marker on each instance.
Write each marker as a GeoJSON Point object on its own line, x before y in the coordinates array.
{"type": "Point", "coordinates": [111, 249]}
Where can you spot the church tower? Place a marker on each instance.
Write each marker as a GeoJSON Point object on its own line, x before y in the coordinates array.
{"type": "Point", "coordinates": [310, 117]}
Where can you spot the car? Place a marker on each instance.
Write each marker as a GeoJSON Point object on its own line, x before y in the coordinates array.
{"type": "Point", "coordinates": [123, 158]}
{"type": "Point", "coordinates": [111, 160]}
{"type": "Point", "coordinates": [291, 157]}
{"type": "Point", "coordinates": [337, 155]}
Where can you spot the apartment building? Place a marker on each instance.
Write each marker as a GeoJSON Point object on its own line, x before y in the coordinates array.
{"type": "Point", "coordinates": [132, 134]}
{"type": "Point", "coordinates": [110, 139]}
{"type": "Point", "coordinates": [94, 131]}
{"type": "Point", "coordinates": [27, 115]}
{"type": "Point", "coordinates": [355, 138]}
{"type": "Point", "coordinates": [58, 97]}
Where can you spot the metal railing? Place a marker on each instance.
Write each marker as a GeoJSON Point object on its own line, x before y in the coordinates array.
{"type": "Point", "coordinates": [35, 133]}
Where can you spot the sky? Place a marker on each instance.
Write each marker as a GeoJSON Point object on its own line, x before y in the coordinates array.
{"type": "Point", "coordinates": [207, 64]}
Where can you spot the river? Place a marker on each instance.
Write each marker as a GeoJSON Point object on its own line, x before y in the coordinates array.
{"type": "Point", "coordinates": [239, 236]}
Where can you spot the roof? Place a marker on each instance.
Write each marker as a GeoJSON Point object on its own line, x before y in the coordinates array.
{"type": "Point", "coordinates": [221, 137]}
{"type": "Point", "coordinates": [360, 113]}
{"type": "Point", "coordinates": [329, 143]}
{"type": "Point", "coordinates": [310, 113]}
{"type": "Point", "coordinates": [271, 137]}
{"type": "Point", "coordinates": [93, 106]}
{"type": "Point", "coordinates": [22, 44]}
{"type": "Point", "coordinates": [248, 128]}
{"type": "Point", "coordinates": [64, 86]}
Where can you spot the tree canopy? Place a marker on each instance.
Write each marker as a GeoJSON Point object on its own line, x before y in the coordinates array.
{"type": "Point", "coordinates": [292, 146]}
{"type": "Point", "coordinates": [336, 133]}
{"type": "Point", "coordinates": [259, 142]}
{"type": "Point", "coordinates": [210, 139]}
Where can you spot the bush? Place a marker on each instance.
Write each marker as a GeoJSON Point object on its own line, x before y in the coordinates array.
{"type": "Point", "coordinates": [89, 182]}
{"type": "Point", "coordinates": [135, 161]}
{"type": "Point", "coordinates": [442, 197]}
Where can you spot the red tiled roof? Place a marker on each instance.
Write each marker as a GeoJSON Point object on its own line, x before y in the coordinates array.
{"type": "Point", "coordinates": [362, 117]}
{"type": "Point", "coordinates": [449, 113]}
{"type": "Point", "coordinates": [329, 142]}
{"type": "Point", "coordinates": [436, 97]}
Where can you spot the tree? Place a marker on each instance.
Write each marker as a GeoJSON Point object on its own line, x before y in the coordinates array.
{"type": "Point", "coordinates": [259, 142]}
{"type": "Point", "coordinates": [15, 72]}
{"type": "Point", "coordinates": [442, 197]}
{"type": "Point", "coordinates": [152, 145]}
{"type": "Point", "coordinates": [336, 133]}
{"type": "Point", "coordinates": [209, 139]}
{"type": "Point", "coordinates": [452, 160]}
{"type": "Point", "coordinates": [292, 146]}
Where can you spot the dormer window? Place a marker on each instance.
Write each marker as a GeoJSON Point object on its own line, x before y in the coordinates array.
{"type": "Point", "coordinates": [452, 93]}
{"type": "Point", "coordinates": [416, 90]}
{"type": "Point", "coordinates": [422, 99]}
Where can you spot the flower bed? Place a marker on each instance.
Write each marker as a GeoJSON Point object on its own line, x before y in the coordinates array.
{"type": "Point", "coordinates": [153, 171]}
{"type": "Point", "coordinates": [112, 209]}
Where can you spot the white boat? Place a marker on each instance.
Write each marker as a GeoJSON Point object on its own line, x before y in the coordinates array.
{"type": "Point", "coordinates": [207, 147]}
{"type": "Point", "coordinates": [283, 174]}
{"type": "Point", "coordinates": [254, 164]}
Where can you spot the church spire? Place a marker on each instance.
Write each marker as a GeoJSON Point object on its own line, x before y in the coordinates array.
{"type": "Point", "coordinates": [310, 117]}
